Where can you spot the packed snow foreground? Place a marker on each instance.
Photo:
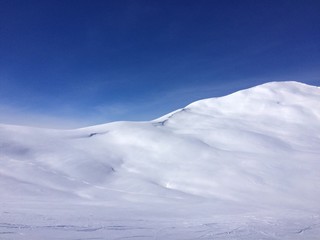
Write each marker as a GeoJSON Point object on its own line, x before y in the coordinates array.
{"type": "Point", "coordinates": [243, 166]}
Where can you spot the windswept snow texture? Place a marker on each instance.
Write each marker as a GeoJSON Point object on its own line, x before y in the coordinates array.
{"type": "Point", "coordinates": [243, 166]}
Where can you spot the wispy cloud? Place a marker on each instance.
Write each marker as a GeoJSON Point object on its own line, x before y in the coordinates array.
{"type": "Point", "coordinates": [18, 116]}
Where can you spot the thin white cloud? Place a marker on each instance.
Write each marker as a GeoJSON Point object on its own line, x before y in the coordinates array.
{"type": "Point", "coordinates": [16, 116]}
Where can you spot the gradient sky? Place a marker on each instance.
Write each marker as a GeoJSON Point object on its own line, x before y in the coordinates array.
{"type": "Point", "coordinates": [74, 63]}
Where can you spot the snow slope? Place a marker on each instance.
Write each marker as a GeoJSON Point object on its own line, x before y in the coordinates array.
{"type": "Point", "coordinates": [245, 165]}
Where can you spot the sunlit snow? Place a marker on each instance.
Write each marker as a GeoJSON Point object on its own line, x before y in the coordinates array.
{"type": "Point", "coordinates": [243, 166]}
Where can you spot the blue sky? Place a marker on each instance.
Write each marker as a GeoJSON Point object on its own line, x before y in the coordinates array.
{"type": "Point", "coordinates": [74, 63]}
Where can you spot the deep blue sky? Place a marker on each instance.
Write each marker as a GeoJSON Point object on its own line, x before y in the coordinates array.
{"type": "Point", "coordinates": [74, 63]}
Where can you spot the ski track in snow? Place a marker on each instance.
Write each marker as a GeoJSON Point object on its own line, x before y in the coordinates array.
{"type": "Point", "coordinates": [161, 230]}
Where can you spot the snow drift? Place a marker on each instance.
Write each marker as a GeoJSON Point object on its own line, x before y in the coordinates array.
{"type": "Point", "coordinates": [255, 149]}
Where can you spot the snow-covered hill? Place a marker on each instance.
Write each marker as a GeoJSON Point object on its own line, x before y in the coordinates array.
{"type": "Point", "coordinates": [252, 153]}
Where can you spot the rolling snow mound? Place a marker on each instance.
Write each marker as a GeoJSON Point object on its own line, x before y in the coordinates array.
{"type": "Point", "coordinates": [254, 149]}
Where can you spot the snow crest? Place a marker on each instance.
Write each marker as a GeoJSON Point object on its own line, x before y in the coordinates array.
{"type": "Point", "coordinates": [254, 149]}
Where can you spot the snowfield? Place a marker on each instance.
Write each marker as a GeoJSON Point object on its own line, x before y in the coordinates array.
{"type": "Point", "coordinates": [244, 166]}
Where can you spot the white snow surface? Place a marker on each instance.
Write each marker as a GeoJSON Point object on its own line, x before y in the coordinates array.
{"type": "Point", "coordinates": [243, 166]}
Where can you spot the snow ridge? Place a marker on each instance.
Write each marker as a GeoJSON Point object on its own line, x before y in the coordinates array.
{"type": "Point", "coordinates": [254, 149]}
